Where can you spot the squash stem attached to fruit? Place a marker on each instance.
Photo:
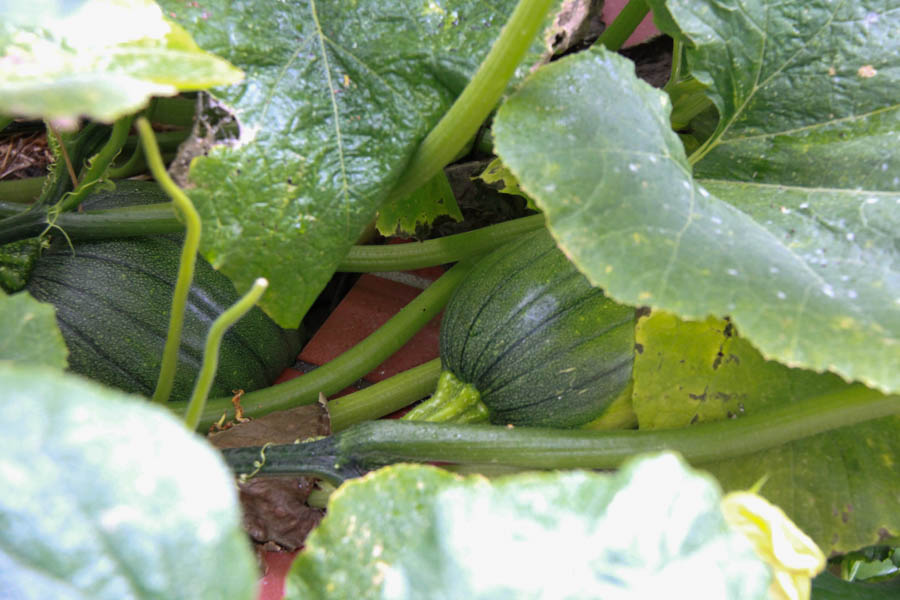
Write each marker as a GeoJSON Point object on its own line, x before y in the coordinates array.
{"type": "Point", "coordinates": [373, 444]}
{"type": "Point", "coordinates": [454, 401]}
{"type": "Point", "coordinates": [352, 364]}
{"type": "Point", "coordinates": [211, 351]}
{"type": "Point", "coordinates": [384, 397]}
{"type": "Point", "coordinates": [460, 123]}
{"type": "Point", "coordinates": [186, 266]}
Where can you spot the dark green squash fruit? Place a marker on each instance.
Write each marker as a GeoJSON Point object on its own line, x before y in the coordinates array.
{"type": "Point", "coordinates": [526, 340]}
{"type": "Point", "coordinates": [113, 300]}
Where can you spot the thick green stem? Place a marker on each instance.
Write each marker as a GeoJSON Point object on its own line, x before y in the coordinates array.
{"type": "Point", "coordinates": [34, 220]}
{"type": "Point", "coordinates": [384, 397]}
{"type": "Point", "coordinates": [352, 364]}
{"type": "Point", "coordinates": [376, 443]}
{"type": "Point", "coordinates": [168, 142]}
{"type": "Point", "coordinates": [617, 32]}
{"type": "Point", "coordinates": [186, 265]}
{"type": "Point", "coordinates": [478, 99]}
{"type": "Point", "coordinates": [134, 161]}
{"type": "Point", "coordinates": [452, 248]}
{"type": "Point", "coordinates": [176, 111]}
{"type": "Point", "coordinates": [126, 221]}
{"type": "Point", "coordinates": [211, 350]}
{"type": "Point", "coordinates": [689, 99]}
{"type": "Point", "coordinates": [98, 165]}
{"type": "Point", "coordinates": [452, 399]}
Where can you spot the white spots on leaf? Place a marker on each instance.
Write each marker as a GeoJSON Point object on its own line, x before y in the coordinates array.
{"type": "Point", "coordinates": [773, 270]}
{"type": "Point", "coordinates": [785, 210]}
{"type": "Point", "coordinates": [732, 272]}
{"type": "Point", "coordinates": [852, 294]}
{"type": "Point", "coordinates": [550, 188]}
{"type": "Point", "coordinates": [633, 167]}
{"type": "Point", "coordinates": [828, 290]}
{"type": "Point", "coordinates": [850, 236]}
{"type": "Point", "coordinates": [781, 295]}
{"type": "Point", "coordinates": [872, 200]}
{"type": "Point", "coordinates": [884, 166]}
{"type": "Point", "coordinates": [716, 220]}
{"type": "Point", "coordinates": [113, 518]}
{"type": "Point", "coordinates": [652, 158]}
{"type": "Point", "coordinates": [704, 193]}
{"type": "Point", "coordinates": [871, 18]}
{"type": "Point", "coordinates": [686, 185]}
{"type": "Point", "coordinates": [804, 205]}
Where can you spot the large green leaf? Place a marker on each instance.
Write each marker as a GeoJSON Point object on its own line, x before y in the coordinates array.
{"type": "Point", "coordinates": [806, 97]}
{"type": "Point", "coordinates": [337, 97]}
{"type": "Point", "coordinates": [592, 145]}
{"type": "Point", "coordinates": [99, 58]}
{"type": "Point", "coordinates": [105, 496]}
{"type": "Point", "coordinates": [30, 332]}
{"type": "Point", "coordinates": [654, 529]}
{"type": "Point", "coordinates": [840, 487]}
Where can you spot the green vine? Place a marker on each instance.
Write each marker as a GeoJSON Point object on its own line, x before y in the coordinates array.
{"type": "Point", "coordinates": [186, 266]}
{"type": "Point", "coordinates": [625, 23]}
{"type": "Point", "coordinates": [376, 443]}
{"type": "Point", "coordinates": [211, 350]}
{"type": "Point", "coordinates": [460, 124]}
{"type": "Point", "coordinates": [349, 366]}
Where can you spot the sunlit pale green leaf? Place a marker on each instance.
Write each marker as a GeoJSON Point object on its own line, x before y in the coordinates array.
{"type": "Point", "coordinates": [29, 333]}
{"type": "Point", "coordinates": [592, 145]}
{"type": "Point", "coordinates": [840, 487]}
{"type": "Point", "coordinates": [654, 529]}
{"type": "Point", "coordinates": [100, 59]}
{"type": "Point", "coordinates": [401, 216]}
{"type": "Point", "coordinates": [105, 496]}
{"type": "Point", "coordinates": [337, 97]}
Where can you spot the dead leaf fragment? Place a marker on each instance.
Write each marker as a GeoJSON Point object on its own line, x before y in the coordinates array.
{"type": "Point", "coordinates": [275, 513]}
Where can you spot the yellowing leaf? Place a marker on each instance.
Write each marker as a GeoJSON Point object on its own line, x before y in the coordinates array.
{"type": "Point", "coordinates": [793, 556]}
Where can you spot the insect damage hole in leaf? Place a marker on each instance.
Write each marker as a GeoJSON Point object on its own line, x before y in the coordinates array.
{"type": "Point", "coordinates": [214, 124]}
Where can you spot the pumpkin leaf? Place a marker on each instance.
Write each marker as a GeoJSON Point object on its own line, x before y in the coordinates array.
{"type": "Point", "coordinates": [30, 333]}
{"type": "Point", "coordinates": [336, 99]}
{"type": "Point", "coordinates": [837, 486]}
{"type": "Point", "coordinates": [401, 216]}
{"type": "Point", "coordinates": [419, 532]}
{"type": "Point", "coordinates": [806, 98]}
{"type": "Point", "coordinates": [101, 59]}
{"type": "Point", "coordinates": [619, 196]}
{"type": "Point", "coordinates": [830, 587]}
{"type": "Point", "coordinates": [109, 497]}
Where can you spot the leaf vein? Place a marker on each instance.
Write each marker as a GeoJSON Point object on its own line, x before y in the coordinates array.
{"type": "Point", "coordinates": [345, 185]}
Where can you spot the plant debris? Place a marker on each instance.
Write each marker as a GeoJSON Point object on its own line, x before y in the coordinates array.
{"type": "Point", "coordinates": [276, 516]}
